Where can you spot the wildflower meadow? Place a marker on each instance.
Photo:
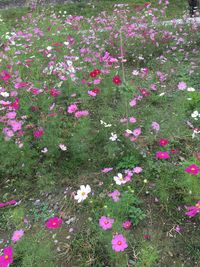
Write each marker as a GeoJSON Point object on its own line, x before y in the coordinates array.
{"type": "Point", "coordinates": [100, 134]}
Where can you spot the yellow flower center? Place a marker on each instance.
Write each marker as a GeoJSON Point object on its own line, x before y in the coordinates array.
{"type": "Point", "coordinates": [6, 257]}
{"type": "Point", "coordinates": [198, 206]}
{"type": "Point", "coordinates": [192, 169]}
{"type": "Point", "coordinates": [83, 193]}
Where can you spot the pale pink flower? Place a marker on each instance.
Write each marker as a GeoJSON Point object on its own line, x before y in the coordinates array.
{"type": "Point", "coordinates": [182, 86]}
{"type": "Point", "coordinates": [17, 235]}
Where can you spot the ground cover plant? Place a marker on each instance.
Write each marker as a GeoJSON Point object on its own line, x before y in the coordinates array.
{"type": "Point", "coordinates": [100, 130]}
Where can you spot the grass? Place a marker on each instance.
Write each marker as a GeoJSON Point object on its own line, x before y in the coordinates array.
{"type": "Point", "coordinates": [44, 178]}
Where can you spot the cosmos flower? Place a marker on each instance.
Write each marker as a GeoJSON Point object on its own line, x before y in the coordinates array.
{"type": "Point", "coordinates": [53, 223]}
{"type": "Point", "coordinates": [114, 195]}
{"type": "Point", "coordinates": [193, 210]}
{"type": "Point", "coordinates": [119, 243]}
{"type": "Point", "coordinates": [17, 235]}
{"type": "Point", "coordinates": [163, 142]}
{"type": "Point", "coordinates": [162, 155]}
{"type": "Point", "coordinates": [119, 180]}
{"type": "Point", "coordinates": [82, 193]}
{"type": "Point", "coordinates": [106, 222]}
{"type": "Point", "coordinates": [127, 225]}
{"type": "Point", "coordinates": [7, 258]}
{"type": "Point", "coordinates": [72, 108]}
{"type": "Point", "coordinates": [62, 147]}
{"type": "Point", "coordinates": [193, 169]}
{"type": "Point", "coordinates": [117, 80]}
{"type": "Point", "coordinates": [182, 86]}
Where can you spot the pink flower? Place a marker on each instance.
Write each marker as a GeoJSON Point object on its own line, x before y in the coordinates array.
{"type": "Point", "coordinates": [17, 235]}
{"type": "Point", "coordinates": [119, 243]}
{"type": "Point", "coordinates": [155, 126]}
{"type": "Point", "coordinates": [91, 93]}
{"type": "Point", "coordinates": [8, 132]}
{"type": "Point", "coordinates": [4, 75]}
{"type": "Point", "coordinates": [193, 210]}
{"type": "Point", "coordinates": [182, 86]}
{"type": "Point", "coordinates": [127, 225]}
{"type": "Point", "coordinates": [11, 115]}
{"type": "Point", "coordinates": [15, 104]}
{"type": "Point", "coordinates": [106, 222]}
{"type": "Point", "coordinates": [16, 125]}
{"type": "Point", "coordinates": [133, 102]}
{"type": "Point", "coordinates": [7, 258]}
{"type": "Point", "coordinates": [193, 169]}
{"type": "Point", "coordinates": [153, 87]}
{"type": "Point", "coordinates": [72, 108]}
{"type": "Point", "coordinates": [8, 203]}
{"type": "Point", "coordinates": [54, 223]}
{"type": "Point", "coordinates": [105, 170]}
{"type": "Point", "coordinates": [38, 133]}
{"type": "Point", "coordinates": [163, 142]}
{"type": "Point", "coordinates": [20, 85]}
{"type": "Point", "coordinates": [162, 155]}
{"type": "Point", "coordinates": [178, 229]}
{"type": "Point", "coordinates": [137, 170]}
{"type": "Point", "coordinates": [132, 120]}
{"type": "Point", "coordinates": [115, 195]}
{"type": "Point", "coordinates": [81, 113]}
{"type": "Point", "coordinates": [54, 92]}
{"type": "Point", "coordinates": [137, 132]}
{"type": "Point", "coordinates": [35, 91]}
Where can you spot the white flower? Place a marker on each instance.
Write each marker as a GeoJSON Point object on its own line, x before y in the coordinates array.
{"type": "Point", "coordinates": [82, 193]}
{"type": "Point", "coordinates": [190, 89]}
{"type": "Point", "coordinates": [113, 137]}
{"type": "Point", "coordinates": [62, 147]}
{"type": "Point", "coordinates": [4, 94]}
{"type": "Point", "coordinates": [49, 48]}
{"type": "Point", "coordinates": [44, 150]}
{"type": "Point", "coordinates": [195, 114]}
{"type": "Point", "coordinates": [119, 179]}
{"type": "Point", "coordinates": [135, 72]}
{"type": "Point", "coordinates": [129, 131]}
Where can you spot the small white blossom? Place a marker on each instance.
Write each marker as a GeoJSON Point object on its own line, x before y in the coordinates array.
{"type": "Point", "coordinates": [113, 137]}
{"type": "Point", "coordinates": [82, 193]}
{"type": "Point", "coordinates": [119, 179]}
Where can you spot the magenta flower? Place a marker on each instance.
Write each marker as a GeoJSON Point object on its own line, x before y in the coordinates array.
{"type": "Point", "coordinates": [119, 243]}
{"type": "Point", "coordinates": [4, 75]}
{"type": "Point", "coordinates": [7, 258]}
{"type": "Point", "coordinates": [163, 142]}
{"type": "Point", "coordinates": [38, 133]}
{"type": "Point", "coordinates": [17, 235]}
{"type": "Point", "coordinates": [106, 222]}
{"type": "Point", "coordinates": [162, 155]}
{"type": "Point", "coordinates": [193, 169]}
{"type": "Point", "coordinates": [105, 170]}
{"type": "Point", "coordinates": [72, 108]}
{"type": "Point", "coordinates": [115, 195]}
{"type": "Point", "coordinates": [193, 210]}
{"type": "Point", "coordinates": [127, 225]}
{"type": "Point", "coordinates": [8, 203]}
{"type": "Point", "coordinates": [54, 223]}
